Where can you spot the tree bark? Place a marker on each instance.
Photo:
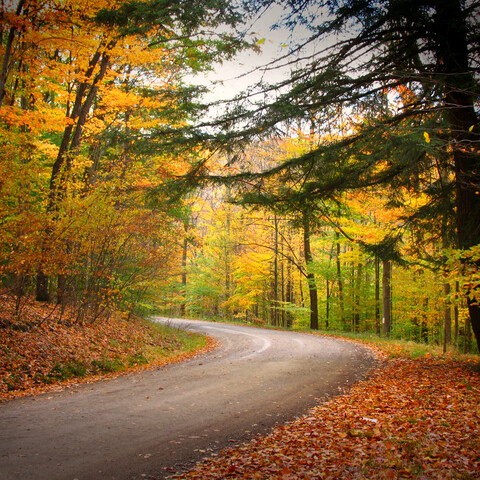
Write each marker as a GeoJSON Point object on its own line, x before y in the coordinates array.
{"type": "Point", "coordinates": [340, 281]}
{"type": "Point", "coordinates": [184, 274]}
{"type": "Point", "coordinates": [387, 297]}
{"type": "Point", "coordinates": [289, 292]}
{"type": "Point", "coordinates": [327, 306]}
{"type": "Point", "coordinates": [447, 330]}
{"type": "Point", "coordinates": [7, 55]}
{"type": "Point", "coordinates": [358, 285]}
{"type": "Point", "coordinates": [456, 312]}
{"type": "Point", "coordinates": [312, 285]}
{"type": "Point", "coordinates": [274, 317]}
{"type": "Point", "coordinates": [377, 296]}
{"type": "Point", "coordinates": [227, 273]}
{"type": "Point", "coordinates": [459, 84]}
{"type": "Point", "coordinates": [72, 134]}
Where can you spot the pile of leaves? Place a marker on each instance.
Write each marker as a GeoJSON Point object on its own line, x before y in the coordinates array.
{"type": "Point", "coordinates": [413, 418]}
{"type": "Point", "coordinates": [40, 351]}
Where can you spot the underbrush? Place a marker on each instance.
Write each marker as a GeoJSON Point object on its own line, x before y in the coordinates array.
{"type": "Point", "coordinates": [51, 353]}
{"type": "Point", "coordinates": [394, 347]}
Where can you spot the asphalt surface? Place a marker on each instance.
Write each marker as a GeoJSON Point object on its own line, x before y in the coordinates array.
{"type": "Point", "coordinates": [151, 424]}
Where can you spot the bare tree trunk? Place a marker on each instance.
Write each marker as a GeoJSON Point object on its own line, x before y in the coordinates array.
{"type": "Point", "coordinates": [467, 342]}
{"type": "Point", "coordinates": [358, 284]}
{"type": "Point", "coordinates": [447, 328]}
{"type": "Point", "coordinates": [340, 281]}
{"type": "Point", "coordinates": [289, 292]}
{"type": "Point", "coordinates": [312, 285]}
{"type": "Point", "coordinates": [184, 276]}
{"type": "Point", "coordinates": [456, 312]}
{"type": "Point", "coordinates": [327, 306]}
{"type": "Point", "coordinates": [387, 297]}
{"type": "Point", "coordinates": [227, 272]}
{"type": "Point", "coordinates": [377, 296]}
{"type": "Point", "coordinates": [282, 283]}
{"type": "Point", "coordinates": [452, 46]}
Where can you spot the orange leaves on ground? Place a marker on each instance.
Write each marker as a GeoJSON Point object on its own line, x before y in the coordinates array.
{"type": "Point", "coordinates": [38, 356]}
{"type": "Point", "coordinates": [412, 419]}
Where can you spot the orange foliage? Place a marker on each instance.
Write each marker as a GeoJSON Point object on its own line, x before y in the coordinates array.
{"type": "Point", "coordinates": [92, 221]}
{"type": "Point", "coordinates": [414, 419]}
{"type": "Point", "coordinates": [37, 356]}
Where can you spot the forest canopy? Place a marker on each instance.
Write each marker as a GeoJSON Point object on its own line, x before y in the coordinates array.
{"type": "Point", "coordinates": [344, 195]}
{"type": "Point", "coordinates": [390, 108]}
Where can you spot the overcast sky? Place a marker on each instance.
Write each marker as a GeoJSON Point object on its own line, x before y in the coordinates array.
{"type": "Point", "coordinates": [232, 77]}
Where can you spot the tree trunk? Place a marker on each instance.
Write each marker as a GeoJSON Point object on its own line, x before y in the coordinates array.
{"type": "Point", "coordinates": [42, 292]}
{"type": "Point", "coordinates": [70, 143]}
{"type": "Point", "coordinates": [387, 297]}
{"type": "Point", "coordinates": [228, 273]}
{"type": "Point", "coordinates": [327, 307]}
{"type": "Point", "coordinates": [459, 84]}
{"type": "Point", "coordinates": [358, 285]}
{"type": "Point", "coordinates": [72, 134]}
{"type": "Point", "coordinates": [456, 312]}
{"type": "Point", "coordinates": [467, 344]}
{"type": "Point", "coordinates": [61, 289]}
{"type": "Point", "coordinates": [377, 296]}
{"type": "Point", "coordinates": [289, 292]}
{"type": "Point", "coordinates": [312, 285]}
{"type": "Point", "coordinates": [282, 284]}
{"type": "Point", "coordinates": [274, 317]}
{"type": "Point", "coordinates": [7, 54]}
{"type": "Point", "coordinates": [340, 281]}
{"type": "Point", "coordinates": [447, 330]}
{"type": "Point", "coordinates": [184, 274]}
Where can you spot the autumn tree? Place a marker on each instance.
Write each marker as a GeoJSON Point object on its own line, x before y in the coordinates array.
{"type": "Point", "coordinates": [428, 48]}
{"type": "Point", "coordinates": [89, 91]}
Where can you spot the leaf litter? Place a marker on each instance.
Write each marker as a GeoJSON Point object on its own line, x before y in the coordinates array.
{"type": "Point", "coordinates": [38, 356]}
{"type": "Point", "coordinates": [411, 419]}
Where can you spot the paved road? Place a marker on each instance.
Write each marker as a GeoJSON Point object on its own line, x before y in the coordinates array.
{"type": "Point", "coordinates": [150, 424]}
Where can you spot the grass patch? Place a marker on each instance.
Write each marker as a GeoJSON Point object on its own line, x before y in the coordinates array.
{"type": "Point", "coordinates": [175, 340]}
{"type": "Point", "coordinates": [107, 365]}
{"type": "Point", "coordinates": [66, 370]}
{"type": "Point", "coordinates": [398, 348]}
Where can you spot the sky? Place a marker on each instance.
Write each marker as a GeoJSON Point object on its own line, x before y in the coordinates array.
{"type": "Point", "coordinates": [232, 77]}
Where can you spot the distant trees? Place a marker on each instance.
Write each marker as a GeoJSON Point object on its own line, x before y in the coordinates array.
{"type": "Point", "coordinates": [248, 264]}
{"type": "Point", "coordinates": [88, 91]}
{"type": "Point", "coordinates": [405, 74]}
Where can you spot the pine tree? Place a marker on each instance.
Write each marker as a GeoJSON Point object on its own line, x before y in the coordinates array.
{"type": "Point", "coordinates": [427, 48]}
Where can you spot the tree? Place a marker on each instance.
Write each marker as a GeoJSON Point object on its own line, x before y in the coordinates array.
{"type": "Point", "coordinates": [90, 91]}
{"type": "Point", "coordinates": [312, 284]}
{"type": "Point", "coordinates": [427, 48]}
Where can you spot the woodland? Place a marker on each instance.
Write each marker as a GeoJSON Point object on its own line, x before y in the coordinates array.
{"type": "Point", "coordinates": [338, 193]}
{"type": "Point", "coordinates": [343, 197]}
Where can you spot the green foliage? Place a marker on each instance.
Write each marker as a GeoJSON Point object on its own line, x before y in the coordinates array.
{"type": "Point", "coordinates": [88, 135]}
{"type": "Point", "coordinates": [400, 120]}
{"type": "Point", "coordinates": [465, 265]}
{"type": "Point", "coordinates": [64, 371]}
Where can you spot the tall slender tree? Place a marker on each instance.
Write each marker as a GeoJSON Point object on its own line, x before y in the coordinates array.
{"type": "Point", "coordinates": [429, 48]}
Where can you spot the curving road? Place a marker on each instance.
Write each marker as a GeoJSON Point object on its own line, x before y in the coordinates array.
{"type": "Point", "coordinates": [150, 424]}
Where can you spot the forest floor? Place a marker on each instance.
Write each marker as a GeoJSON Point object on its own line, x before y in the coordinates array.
{"type": "Point", "coordinates": [40, 352]}
{"type": "Point", "coordinates": [417, 416]}
{"type": "Point", "coordinates": [414, 418]}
